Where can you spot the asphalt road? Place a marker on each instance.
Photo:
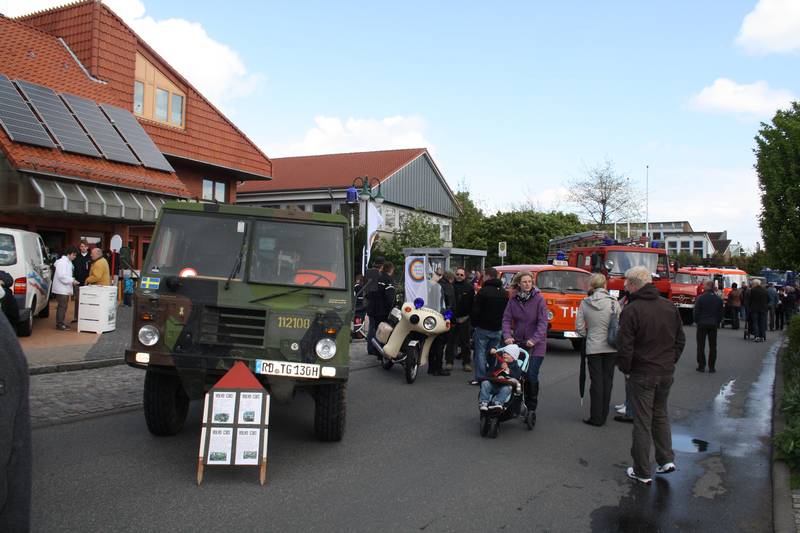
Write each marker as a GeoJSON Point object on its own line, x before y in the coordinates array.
{"type": "Point", "coordinates": [412, 459]}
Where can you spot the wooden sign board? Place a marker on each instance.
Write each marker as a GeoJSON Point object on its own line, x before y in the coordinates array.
{"type": "Point", "coordinates": [235, 423]}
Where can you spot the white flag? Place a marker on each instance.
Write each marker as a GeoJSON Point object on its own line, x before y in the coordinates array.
{"type": "Point", "coordinates": [374, 221]}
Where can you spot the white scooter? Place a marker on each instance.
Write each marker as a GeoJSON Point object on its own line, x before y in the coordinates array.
{"type": "Point", "coordinates": [407, 336]}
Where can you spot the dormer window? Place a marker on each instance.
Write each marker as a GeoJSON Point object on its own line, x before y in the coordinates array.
{"type": "Point", "coordinates": [155, 97]}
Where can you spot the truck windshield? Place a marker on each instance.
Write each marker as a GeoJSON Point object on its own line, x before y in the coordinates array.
{"type": "Point", "coordinates": [729, 279]}
{"type": "Point", "coordinates": [624, 260]}
{"type": "Point", "coordinates": [563, 280]}
{"type": "Point", "coordinates": [290, 253]}
{"type": "Point", "coordinates": [206, 244]}
{"type": "Point", "coordinates": [691, 279]}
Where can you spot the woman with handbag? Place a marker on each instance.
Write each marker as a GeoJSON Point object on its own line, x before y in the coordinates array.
{"type": "Point", "coordinates": [597, 322]}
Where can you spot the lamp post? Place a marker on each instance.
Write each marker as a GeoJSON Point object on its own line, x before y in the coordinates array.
{"type": "Point", "coordinates": [365, 195]}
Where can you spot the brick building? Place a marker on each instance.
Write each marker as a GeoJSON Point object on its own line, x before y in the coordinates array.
{"type": "Point", "coordinates": [83, 53]}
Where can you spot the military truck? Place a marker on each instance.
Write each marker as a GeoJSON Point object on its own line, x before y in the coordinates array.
{"type": "Point", "coordinates": [226, 283]}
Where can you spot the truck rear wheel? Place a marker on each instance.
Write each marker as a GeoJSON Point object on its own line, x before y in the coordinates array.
{"type": "Point", "coordinates": [166, 404]}
{"type": "Point", "coordinates": [329, 411]}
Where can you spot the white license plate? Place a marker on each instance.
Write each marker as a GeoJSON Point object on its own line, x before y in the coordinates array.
{"type": "Point", "coordinates": [294, 370]}
{"type": "Point", "coordinates": [571, 335]}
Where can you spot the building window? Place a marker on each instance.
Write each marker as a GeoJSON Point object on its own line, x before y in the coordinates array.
{"type": "Point", "coordinates": [444, 232]}
{"type": "Point", "coordinates": [657, 235]}
{"type": "Point", "coordinates": [389, 216]}
{"type": "Point", "coordinates": [698, 244]}
{"type": "Point", "coordinates": [176, 110]}
{"type": "Point", "coordinates": [214, 190]}
{"type": "Point", "coordinates": [162, 104]}
{"type": "Point", "coordinates": [138, 97]}
{"type": "Point", "coordinates": [321, 208]}
{"type": "Point", "coordinates": [686, 245]}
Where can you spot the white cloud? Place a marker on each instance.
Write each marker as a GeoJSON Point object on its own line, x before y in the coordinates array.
{"type": "Point", "coordinates": [754, 99]}
{"type": "Point", "coordinates": [334, 135]}
{"type": "Point", "coordinates": [214, 68]}
{"type": "Point", "coordinates": [772, 27]}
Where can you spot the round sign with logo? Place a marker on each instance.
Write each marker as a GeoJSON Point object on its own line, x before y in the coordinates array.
{"type": "Point", "coordinates": [416, 269]}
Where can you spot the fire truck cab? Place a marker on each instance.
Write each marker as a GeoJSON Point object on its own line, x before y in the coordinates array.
{"type": "Point", "coordinates": [595, 251]}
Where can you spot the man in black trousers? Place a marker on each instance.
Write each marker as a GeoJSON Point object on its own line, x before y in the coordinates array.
{"type": "Point", "coordinates": [707, 316]}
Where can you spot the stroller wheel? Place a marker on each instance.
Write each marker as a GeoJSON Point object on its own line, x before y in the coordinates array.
{"type": "Point", "coordinates": [485, 421]}
{"type": "Point", "coordinates": [494, 425]}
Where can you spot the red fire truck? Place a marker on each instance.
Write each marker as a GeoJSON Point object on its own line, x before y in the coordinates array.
{"type": "Point", "coordinates": [595, 251]}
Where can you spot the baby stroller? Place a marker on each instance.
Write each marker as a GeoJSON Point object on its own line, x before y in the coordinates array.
{"type": "Point", "coordinates": [514, 407]}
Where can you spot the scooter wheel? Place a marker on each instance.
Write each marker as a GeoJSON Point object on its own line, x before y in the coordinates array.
{"type": "Point", "coordinates": [411, 364]}
{"type": "Point", "coordinates": [494, 426]}
{"type": "Point", "coordinates": [485, 421]}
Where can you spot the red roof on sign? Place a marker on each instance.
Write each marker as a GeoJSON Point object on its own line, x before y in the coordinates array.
{"type": "Point", "coordinates": [331, 170]}
{"type": "Point", "coordinates": [238, 377]}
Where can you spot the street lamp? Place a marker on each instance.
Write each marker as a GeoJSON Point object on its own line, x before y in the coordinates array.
{"type": "Point", "coordinates": [365, 195]}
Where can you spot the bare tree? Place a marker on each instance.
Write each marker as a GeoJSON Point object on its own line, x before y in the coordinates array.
{"type": "Point", "coordinates": [604, 196]}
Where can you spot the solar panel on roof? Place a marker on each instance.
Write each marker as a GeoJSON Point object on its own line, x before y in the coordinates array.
{"type": "Point", "coordinates": [18, 120]}
{"type": "Point", "coordinates": [58, 119]}
{"type": "Point", "coordinates": [101, 131]}
{"type": "Point", "coordinates": [141, 143]}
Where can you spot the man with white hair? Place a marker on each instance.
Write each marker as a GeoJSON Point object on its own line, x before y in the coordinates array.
{"type": "Point", "coordinates": [649, 343]}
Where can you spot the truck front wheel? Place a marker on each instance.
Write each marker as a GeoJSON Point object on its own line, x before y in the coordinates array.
{"type": "Point", "coordinates": [329, 412]}
{"type": "Point", "coordinates": [165, 403]}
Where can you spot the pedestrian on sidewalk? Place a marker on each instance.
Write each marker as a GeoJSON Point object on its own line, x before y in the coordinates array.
{"type": "Point", "coordinates": [381, 300]}
{"type": "Point", "coordinates": [748, 325]}
{"type": "Point", "coordinates": [487, 317]}
{"type": "Point", "coordinates": [734, 304]}
{"type": "Point", "coordinates": [63, 285]}
{"type": "Point", "coordinates": [371, 291]}
{"type": "Point", "coordinates": [443, 302]}
{"type": "Point", "coordinates": [772, 304]}
{"type": "Point", "coordinates": [759, 304]}
{"type": "Point", "coordinates": [525, 324]}
{"type": "Point", "coordinates": [127, 288]}
{"type": "Point", "coordinates": [707, 316]}
{"type": "Point", "coordinates": [99, 273]}
{"type": "Point", "coordinates": [461, 327]}
{"type": "Point", "coordinates": [8, 302]}
{"type": "Point", "coordinates": [80, 271]}
{"type": "Point", "coordinates": [649, 343]}
{"type": "Point", "coordinates": [15, 434]}
{"type": "Point", "coordinates": [594, 316]}
{"type": "Point", "coordinates": [779, 309]}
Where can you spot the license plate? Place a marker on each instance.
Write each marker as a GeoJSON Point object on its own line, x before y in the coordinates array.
{"type": "Point", "coordinates": [571, 335]}
{"type": "Point", "coordinates": [294, 370]}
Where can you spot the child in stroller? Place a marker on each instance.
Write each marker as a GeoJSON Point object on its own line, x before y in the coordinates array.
{"type": "Point", "coordinates": [501, 394]}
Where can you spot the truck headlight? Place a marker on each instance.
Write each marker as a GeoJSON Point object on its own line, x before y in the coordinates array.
{"type": "Point", "coordinates": [550, 315]}
{"type": "Point", "coordinates": [148, 335]}
{"type": "Point", "coordinates": [429, 323]}
{"type": "Point", "coordinates": [326, 348]}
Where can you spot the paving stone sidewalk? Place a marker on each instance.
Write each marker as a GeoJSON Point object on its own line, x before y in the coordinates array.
{"type": "Point", "coordinates": [65, 396]}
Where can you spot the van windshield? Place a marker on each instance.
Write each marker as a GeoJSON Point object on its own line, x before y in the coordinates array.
{"type": "Point", "coordinates": [563, 280]}
{"type": "Point", "coordinates": [291, 253]}
{"type": "Point", "coordinates": [8, 251]}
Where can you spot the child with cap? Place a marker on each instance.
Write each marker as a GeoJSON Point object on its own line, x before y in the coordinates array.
{"type": "Point", "coordinates": [503, 366]}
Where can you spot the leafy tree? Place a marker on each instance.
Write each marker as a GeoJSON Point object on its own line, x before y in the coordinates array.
{"type": "Point", "coordinates": [778, 167]}
{"type": "Point", "coordinates": [469, 228]}
{"type": "Point", "coordinates": [604, 196]}
{"type": "Point", "coordinates": [527, 234]}
{"type": "Point", "coordinates": [416, 231]}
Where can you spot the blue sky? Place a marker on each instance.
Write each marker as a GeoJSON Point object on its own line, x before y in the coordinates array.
{"type": "Point", "coordinates": [512, 98]}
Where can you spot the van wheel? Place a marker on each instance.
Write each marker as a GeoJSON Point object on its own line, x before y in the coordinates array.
{"type": "Point", "coordinates": [576, 344]}
{"type": "Point", "coordinates": [166, 404]}
{"type": "Point", "coordinates": [411, 364]}
{"type": "Point", "coordinates": [329, 411]}
{"type": "Point", "coordinates": [25, 327]}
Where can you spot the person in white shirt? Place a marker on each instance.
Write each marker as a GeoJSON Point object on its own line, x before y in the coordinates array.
{"type": "Point", "coordinates": [63, 283]}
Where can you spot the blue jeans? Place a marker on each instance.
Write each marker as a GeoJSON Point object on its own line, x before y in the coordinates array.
{"type": "Point", "coordinates": [533, 369]}
{"type": "Point", "coordinates": [629, 408]}
{"type": "Point", "coordinates": [494, 393]}
{"type": "Point", "coordinates": [483, 340]}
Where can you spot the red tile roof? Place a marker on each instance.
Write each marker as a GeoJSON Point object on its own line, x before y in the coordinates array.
{"type": "Point", "coordinates": [331, 170]}
{"type": "Point", "coordinates": [107, 47]}
{"type": "Point", "coordinates": [33, 55]}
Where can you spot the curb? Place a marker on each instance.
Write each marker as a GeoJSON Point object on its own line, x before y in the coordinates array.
{"type": "Point", "coordinates": [73, 366]}
{"type": "Point", "coordinates": [783, 519]}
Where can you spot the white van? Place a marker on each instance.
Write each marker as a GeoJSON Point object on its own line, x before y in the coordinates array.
{"type": "Point", "coordinates": [23, 255]}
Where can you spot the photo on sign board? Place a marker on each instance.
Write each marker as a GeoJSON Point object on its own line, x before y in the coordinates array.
{"type": "Point", "coordinates": [224, 402]}
{"type": "Point", "coordinates": [247, 446]}
{"type": "Point", "coordinates": [250, 407]}
{"type": "Point", "coordinates": [219, 446]}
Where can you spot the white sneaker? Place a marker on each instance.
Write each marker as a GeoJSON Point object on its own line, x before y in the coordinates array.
{"type": "Point", "coordinates": [666, 468]}
{"type": "Point", "coordinates": [632, 475]}
{"type": "Point", "coordinates": [620, 409]}
{"type": "Point", "coordinates": [483, 406]}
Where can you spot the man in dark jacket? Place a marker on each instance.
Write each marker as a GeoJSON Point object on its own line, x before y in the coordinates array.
{"type": "Point", "coordinates": [15, 434]}
{"type": "Point", "coordinates": [381, 301]}
{"type": "Point", "coordinates": [707, 316]}
{"type": "Point", "coordinates": [460, 330]}
{"type": "Point", "coordinates": [487, 318]}
{"type": "Point", "coordinates": [371, 291]}
{"type": "Point", "coordinates": [759, 303]}
{"type": "Point", "coordinates": [438, 348]}
{"type": "Point", "coordinates": [649, 343]}
{"type": "Point", "coordinates": [80, 271]}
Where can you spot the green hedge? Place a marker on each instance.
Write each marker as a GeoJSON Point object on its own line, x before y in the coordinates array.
{"type": "Point", "coordinates": [787, 442]}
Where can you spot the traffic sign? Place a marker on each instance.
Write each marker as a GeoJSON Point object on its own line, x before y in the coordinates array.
{"type": "Point", "coordinates": [501, 248]}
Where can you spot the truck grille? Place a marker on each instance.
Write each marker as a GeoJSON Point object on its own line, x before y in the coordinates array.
{"type": "Point", "coordinates": [682, 299]}
{"type": "Point", "coordinates": [232, 326]}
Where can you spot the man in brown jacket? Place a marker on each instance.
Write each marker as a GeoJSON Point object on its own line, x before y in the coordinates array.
{"type": "Point", "coordinates": [99, 273]}
{"type": "Point", "coordinates": [649, 343]}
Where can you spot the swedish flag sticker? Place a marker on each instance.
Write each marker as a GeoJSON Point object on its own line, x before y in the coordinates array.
{"type": "Point", "coordinates": [150, 283]}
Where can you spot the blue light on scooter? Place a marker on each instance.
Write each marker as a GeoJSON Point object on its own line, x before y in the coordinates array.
{"type": "Point", "coordinates": [419, 303]}
{"type": "Point", "coordinates": [448, 315]}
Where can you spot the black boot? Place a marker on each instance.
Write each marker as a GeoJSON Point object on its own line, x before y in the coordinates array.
{"type": "Point", "coordinates": [532, 398]}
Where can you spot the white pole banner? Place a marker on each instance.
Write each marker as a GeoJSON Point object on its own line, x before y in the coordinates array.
{"type": "Point", "coordinates": [416, 282]}
{"type": "Point", "coordinates": [374, 221]}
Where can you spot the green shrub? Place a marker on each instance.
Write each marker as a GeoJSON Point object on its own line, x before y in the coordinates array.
{"type": "Point", "coordinates": [794, 336]}
{"type": "Point", "coordinates": [790, 403]}
{"type": "Point", "coordinates": [787, 445]}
